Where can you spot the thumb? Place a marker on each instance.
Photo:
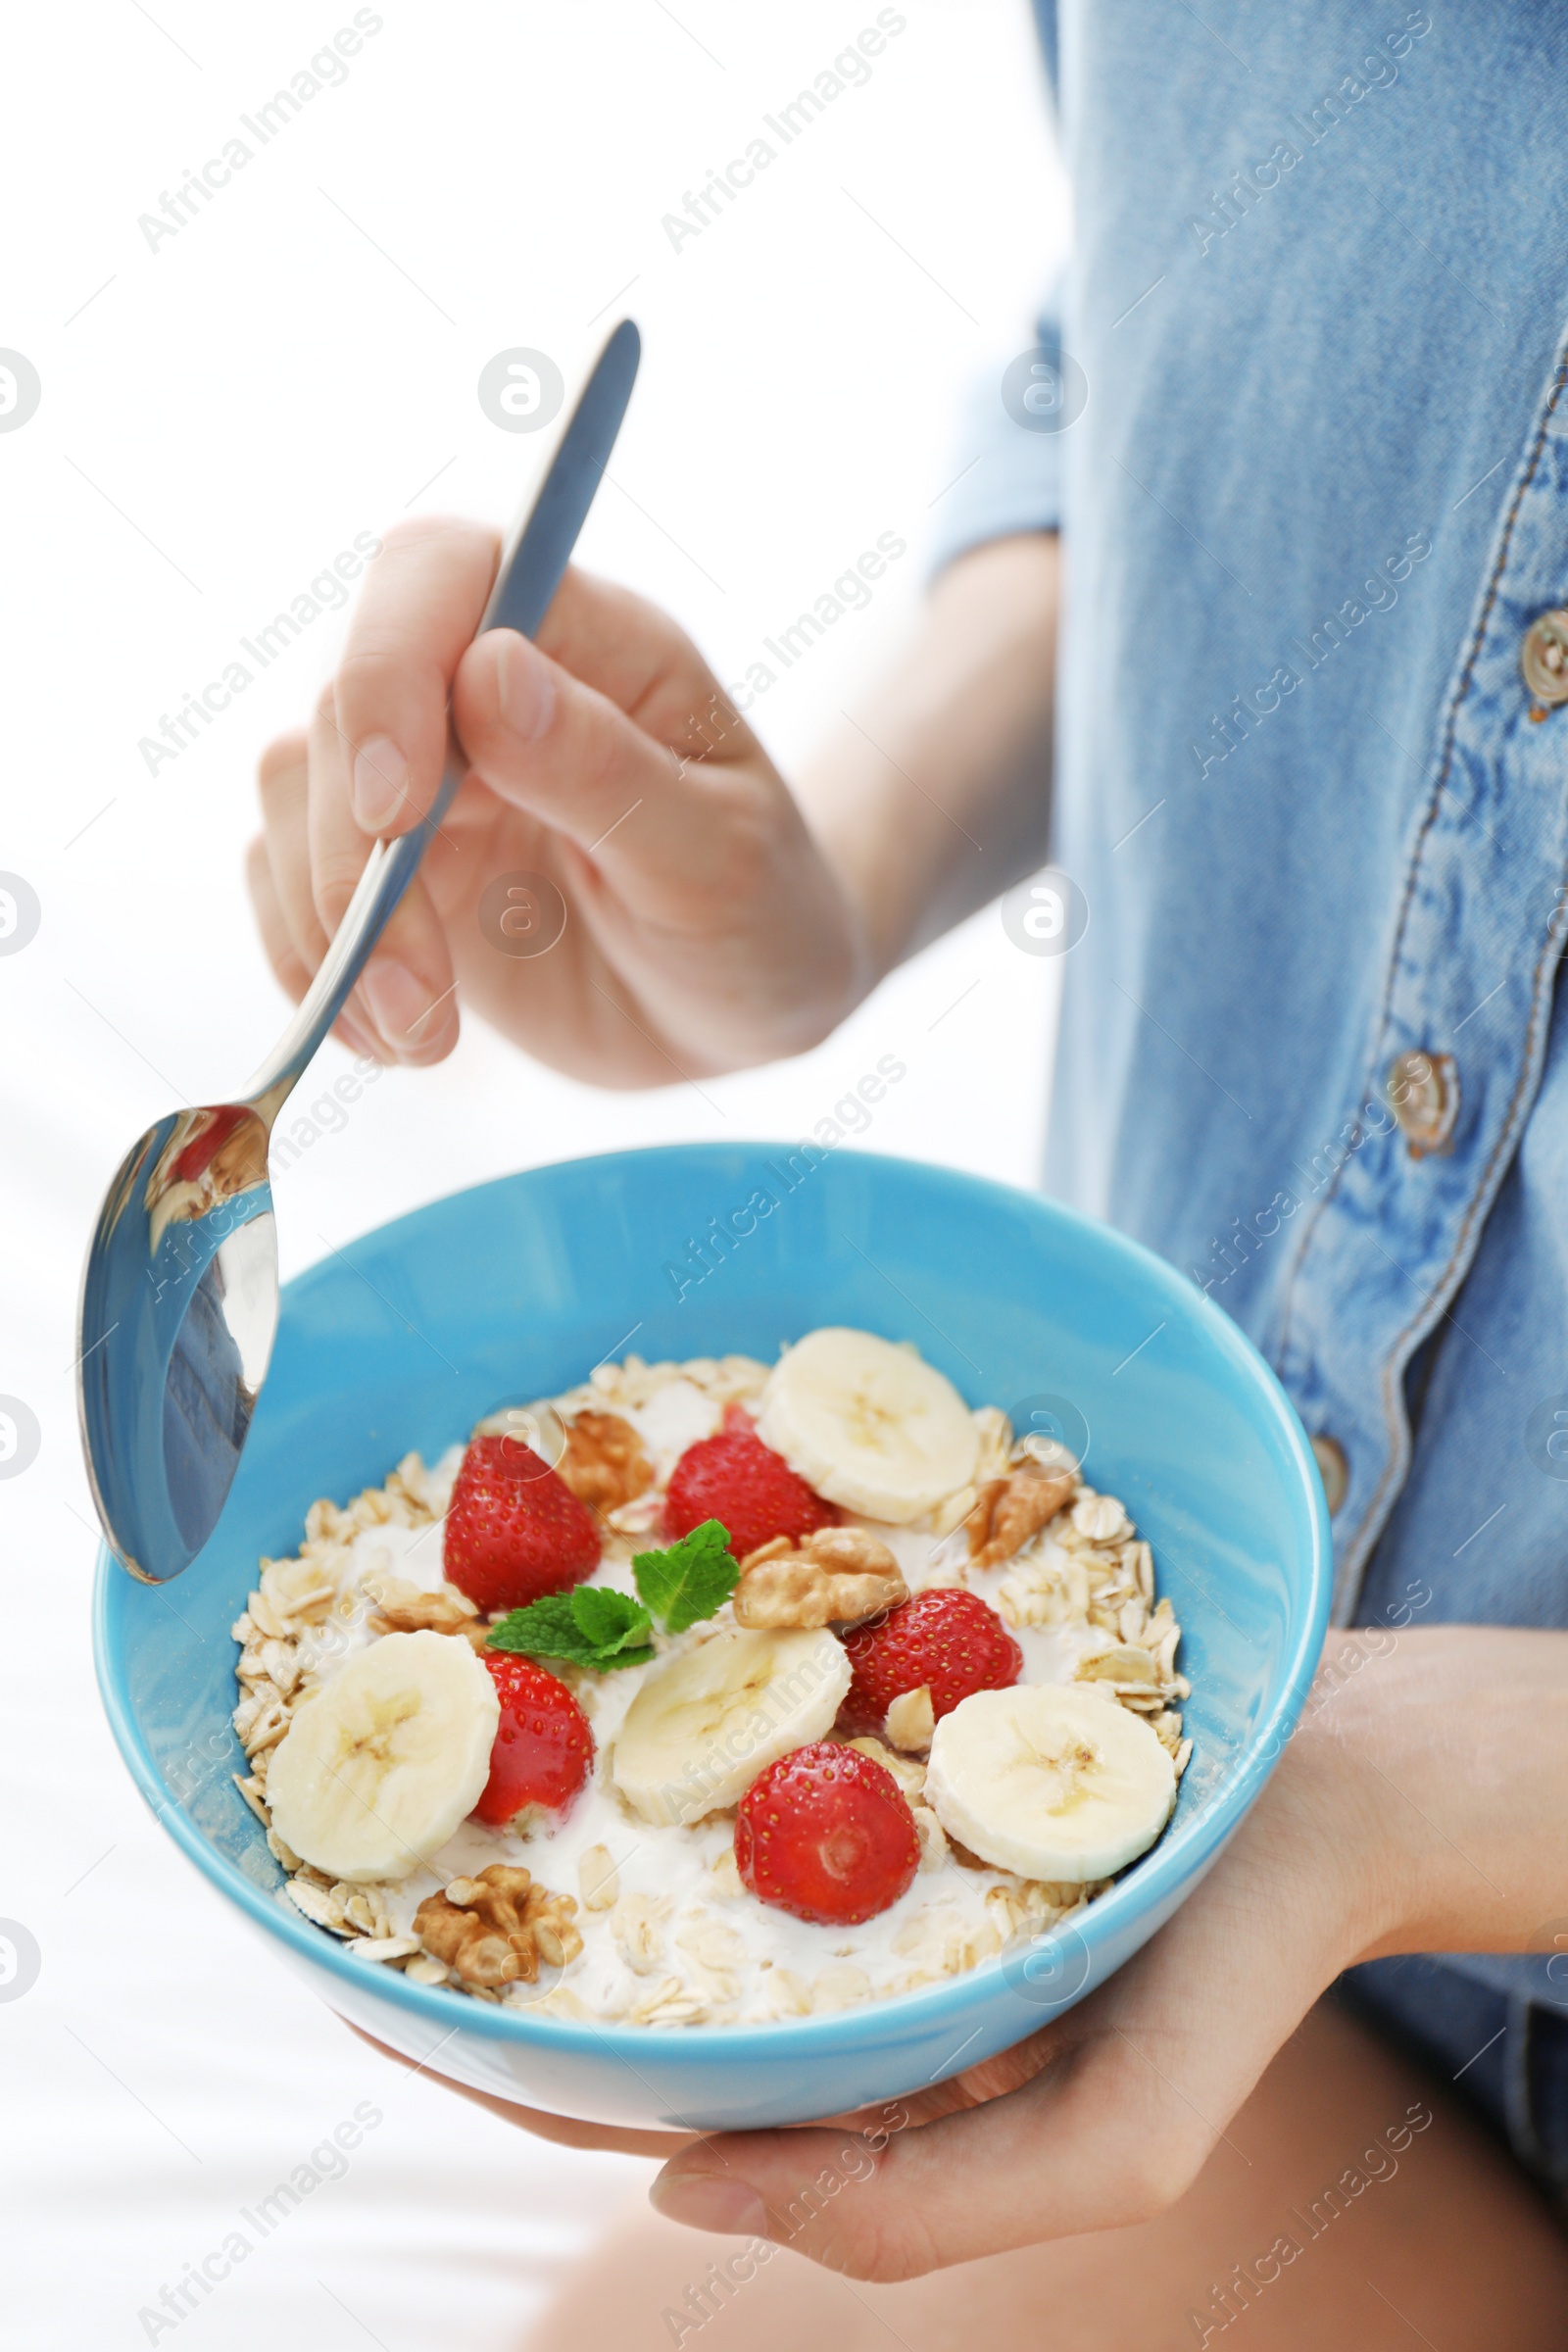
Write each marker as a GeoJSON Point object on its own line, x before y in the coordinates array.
{"type": "Point", "coordinates": [1090, 2141]}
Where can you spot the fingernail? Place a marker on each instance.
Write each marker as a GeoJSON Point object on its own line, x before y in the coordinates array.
{"type": "Point", "coordinates": [525, 688]}
{"type": "Point", "coordinates": [381, 783]}
{"type": "Point", "coordinates": [398, 1003]}
{"type": "Point", "coordinates": [701, 2201]}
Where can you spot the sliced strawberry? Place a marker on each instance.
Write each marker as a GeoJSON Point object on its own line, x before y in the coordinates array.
{"type": "Point", "coordinates": [946, 1639]}
{"type": "Point", "coordinates": [828, 1833]}
{"type": "Point", "coordinates": [515, 1531]}
{"type": "Point", "coordinates": [733, 1476]}
{"type": "Point", "coordinates": [543, 1749]}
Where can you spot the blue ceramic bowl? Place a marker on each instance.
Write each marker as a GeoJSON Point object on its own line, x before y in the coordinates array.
{"type": "Point", "coordinates": [511, 1291]}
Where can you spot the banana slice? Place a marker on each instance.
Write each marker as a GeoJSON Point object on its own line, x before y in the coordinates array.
{"type": "Point", "coordinates": [869, 1425]}
{"type": "Point", "coordinates": [1051, 1781]}
{"type": "Point", "coordinates": [382, 1763]}
{"type": "Point", "coordinates": [709, 1719]}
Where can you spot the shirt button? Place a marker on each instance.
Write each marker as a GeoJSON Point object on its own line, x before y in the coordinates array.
{"type": "Point", "coordinates": [1424, 1090]}
{"type": "Point", "coordinates": [1333, 1469]}
{"type": "Point", "coordinates": [1543, 657]}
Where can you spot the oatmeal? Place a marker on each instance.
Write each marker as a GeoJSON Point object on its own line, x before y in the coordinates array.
{"type": "Point", "coordinates": [712, 1692]}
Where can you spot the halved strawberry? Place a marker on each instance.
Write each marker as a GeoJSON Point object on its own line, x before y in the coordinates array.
{"type": "Point", "coordinates": [543, 1749]}
{"type": "Point", "coordinates": [828, 1833]}
{"type": "Point", "coordinates": [734, 1478]}
{"type": "Point", "coordinates": [515, 1531]}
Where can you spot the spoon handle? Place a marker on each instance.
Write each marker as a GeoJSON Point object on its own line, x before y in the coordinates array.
{"type": "Point", "coordinates": [530, 572]}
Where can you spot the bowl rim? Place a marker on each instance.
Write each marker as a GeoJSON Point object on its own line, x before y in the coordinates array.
{"type": "Point", "coordinates": [1177, 1860]}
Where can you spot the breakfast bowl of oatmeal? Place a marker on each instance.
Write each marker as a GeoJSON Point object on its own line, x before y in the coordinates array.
{"type": "Point", "coordinates": [718, 1636]}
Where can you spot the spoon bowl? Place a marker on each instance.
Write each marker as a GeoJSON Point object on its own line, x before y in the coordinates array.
{"type": "Point", "coordinates": [182, 1288]}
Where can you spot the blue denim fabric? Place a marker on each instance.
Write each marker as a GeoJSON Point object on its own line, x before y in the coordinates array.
{"type": "Point", "coordinates": [1318, 494]}
{"type": "Point", "coordinates": [1503, 2051]}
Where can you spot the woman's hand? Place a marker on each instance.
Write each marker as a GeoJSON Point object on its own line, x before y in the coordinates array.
{"type": "Point", "coordinates": [704, 928]}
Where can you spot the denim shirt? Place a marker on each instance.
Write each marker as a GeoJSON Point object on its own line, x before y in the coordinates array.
{"type": "Point", "coordinates": [1315, 501]}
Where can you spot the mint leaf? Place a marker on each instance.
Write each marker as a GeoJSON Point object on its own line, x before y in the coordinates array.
{"type": "Point", "coordinates": [692, 1578]}
{"type": "Point", "coordinates": [544, 1629]}
{"type": "Point", "coordinates": [596, 1626]}
{"type": "Point", "coordinates": [609, 1618]}
{"type": "Point", "coordinates": [591, 1626]}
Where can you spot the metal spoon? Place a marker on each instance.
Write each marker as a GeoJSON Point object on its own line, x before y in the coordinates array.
{"type": "Point", "coordinates": [179, 1294]}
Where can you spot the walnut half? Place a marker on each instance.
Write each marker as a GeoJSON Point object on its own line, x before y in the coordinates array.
{"type": "Point", "coordinates": [401, 1609]}
{"type": "Point", "coordinates": [604, 1462]}
{"type": "Point", "coordinates": [838, 1576]}
{"type": "Point", "coordinates": [496, 1929]}
{"type": "Point", "coordinates": [1010, 1510]}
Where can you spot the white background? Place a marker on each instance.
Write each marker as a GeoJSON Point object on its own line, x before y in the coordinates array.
{"type": "Point", "coordinates": [219, 417]}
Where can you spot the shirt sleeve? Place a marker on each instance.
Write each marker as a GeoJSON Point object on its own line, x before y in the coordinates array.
{"type": "Point", "coordinates": [1007, 475]}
